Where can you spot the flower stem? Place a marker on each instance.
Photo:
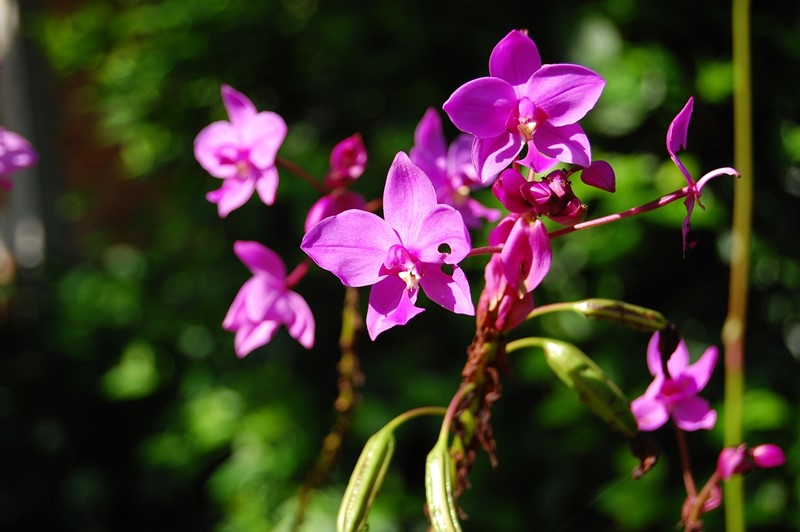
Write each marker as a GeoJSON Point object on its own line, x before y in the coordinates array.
{"type": "Point", "coordinates": [647, 207]}
{"type": "Point", "coordinates": [686, 467]}
{"type": "Point", "coordinates": [733, 333]}
{"type": "Point", "coordinates": [302, 174]}
{"type": "Point", "coordinates": [298, 273]}
{"type": "Point", "coordinates": [485, 250]}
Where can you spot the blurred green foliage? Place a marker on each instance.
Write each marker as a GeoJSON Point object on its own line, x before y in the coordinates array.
{"type": "Point", "coordinates": [122, 404]}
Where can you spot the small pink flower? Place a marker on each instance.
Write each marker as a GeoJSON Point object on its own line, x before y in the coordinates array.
{"type": "Point", "coordinates": [676, 141]}
{"type": "Point", "coordinates": [674, 394]}
{"type": "Point", "coordinates": [16, 153]}
{"type": "Point", "coordinates": [264, 302]}
{"type": "Point", "coordinates": [241, 152]}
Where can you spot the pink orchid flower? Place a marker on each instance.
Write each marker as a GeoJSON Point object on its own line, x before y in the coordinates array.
{"type": "Point", "coordinates": [524, 103]}
{"type": "Point", "coordinates": [264, 302]}
{"type": "Point", "coordinates": [676, 141]}
{"type": "Point", "coordinates": [16, 153]}
{"type": "Point", "coordinates": [417, 245]}
{"type": "Point", "coordinates": [450, 168]}
{"type": "Point", "coordinates": [673, 394]}
{"type": "Point", "coordinates": [241, 152]}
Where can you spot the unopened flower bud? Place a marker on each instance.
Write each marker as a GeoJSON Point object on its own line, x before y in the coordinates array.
{"type": "Point", "coordinates": [347, 162]}
{"type": "Point", "coordinates": [767, 455]}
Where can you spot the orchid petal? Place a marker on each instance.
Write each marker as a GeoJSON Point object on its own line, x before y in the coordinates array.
{"type": "Point", "coordinates": [389, 305]}
{"type": "Point", "coordinates": [260, 260]}
{"type": "Point", "coordinates": [301, 321]}
{"type": "Point", "coordinates": [700, 372]}
{"type": "Point", "coordinates": [693, 413]}
{"type": "Point", "coordinates": [678, 360]}
{"type": "Point", "coordinates": [535, 160]}
{"type": "Point", "coordinates": [267, 185]}
{"type": "Point", "coordinates": [650, 413]}
{"type": "Point", "coordinates": [442, 226]}
{"type": "Point", "coordinates": [231, 195]}
{"type": "Point", "coordinates": [564, 92]}
{"type": "Point", "coordinates": [600, 174]}
{"type": "Point", "coordinates": [450, 291]}
{"type": "Point", "coordinates": [482, 107]}
{"type": "Point", "coordinates": [526, 255]}
{"type": "Point", "coordinates": [499, 234]}
{"type": "Point", "coordinates": [407, 198]}
{"type": "Point", "coordinates": [259, 296]}
{"type": "Point", "coordinates": [493, 155]}
{"type": "Point", "coordinates": [264, 133]}
{"type": "Point", "coordinates": [430, 147]}
{"type": "Point", "coordinates": [515, 58]}
{"type": "Point", "coordinates": [351, 245]}
{"type": "Point", "coordinates": [251, 337]}
{"type": "Point", "coordinates": [567, 144]}
{"type": "Point", "coordinates": [507, 187]}
{"type": "Point", "coordinates": [238, 106]}
{"type": "Point", "coordinates": [216, 147]}
{"type": "Point", "coordinates": [655, 361]}
{"type": "Point", "coordinates": [679, 129]}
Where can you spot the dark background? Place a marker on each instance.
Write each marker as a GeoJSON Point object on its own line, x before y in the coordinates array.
{"type": "Point", "coordinates": [122, 404]}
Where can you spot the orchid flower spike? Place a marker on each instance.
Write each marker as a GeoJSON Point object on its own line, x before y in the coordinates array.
{"type": "Point", "coordinates": [676, 141]}
{"type": "Point", "coordinates": [674, 394]}
{"type": "Point", "coordinates": [242, 152]}
{"type": "Point", "coordinates": [417, 245]}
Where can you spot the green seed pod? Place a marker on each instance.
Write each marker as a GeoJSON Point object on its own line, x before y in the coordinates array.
{"type": "Point", "coordinates": [439, 488]}
{"type": "Point", "coordinates": [366, 481]}
{"type": "Point", "coordinates": [593, 386]}
{"type": "Point", "coordinates": [633, 316]}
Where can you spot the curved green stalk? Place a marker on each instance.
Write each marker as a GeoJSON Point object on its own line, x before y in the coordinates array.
{"type": "Point", "coordinates": [734, 331]}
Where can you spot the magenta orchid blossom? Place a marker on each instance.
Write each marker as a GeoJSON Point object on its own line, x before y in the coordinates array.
{"type": "Point", "coordinates": [264, 302]}
{"type": "Point", "coordinates": [676, 141]}
{"type": "Point", "coordinates": [524, 103]}
{"type": "Point", "coordinates": [450, 169]}
{"type": "Point", "coordinates": [417, 244]}
{"type": "Point", "coordinates": [242, 152]}
{"type": "Point", "coordinates": [16, 153]}
{"type": "Point", "coordinates": [673, 394]}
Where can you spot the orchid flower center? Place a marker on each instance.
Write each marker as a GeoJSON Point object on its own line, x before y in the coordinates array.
{"type": "Point", "coordinates": [529, 117]}
{"type": "Point", "coordinates": [404, 265]}
{"type": "Point", "coordinates": [677, 389]}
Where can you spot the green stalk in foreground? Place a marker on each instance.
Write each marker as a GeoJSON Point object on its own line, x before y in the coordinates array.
{"type": "Point", "coordinates": [733, 333]}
